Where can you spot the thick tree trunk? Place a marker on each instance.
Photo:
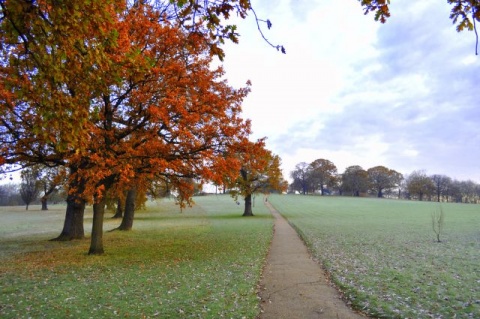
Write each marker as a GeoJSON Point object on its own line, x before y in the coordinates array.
{"type": "Point", "coordinates": [127, 221]}
{"type": "Point", "coordinates": [248, 206]}
{"type": "Point", "coordinates": [44, 203]}
{"type": "Point", "coordinates": [119, 211]}
{"type": "Point", "coordinates": [99, 203]}
{"type": "Point", "coordinates": [96, 243]}
{"type": "Point", "coordinates": [73, 225]}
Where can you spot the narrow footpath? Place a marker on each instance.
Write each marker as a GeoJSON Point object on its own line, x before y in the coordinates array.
{"type": "Point", "coordinates": [293, 284]}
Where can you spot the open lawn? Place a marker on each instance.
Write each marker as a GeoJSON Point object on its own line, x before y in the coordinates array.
{"type": "Point", "coordinates": [206, 262]}
{"type": "Point", "coordinates": [384, 255]}
{"type": "Point", "coordinates": [202, 263]}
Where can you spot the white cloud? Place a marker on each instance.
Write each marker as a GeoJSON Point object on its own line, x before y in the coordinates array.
{"type": "Point", "coordinates": [356, 92]}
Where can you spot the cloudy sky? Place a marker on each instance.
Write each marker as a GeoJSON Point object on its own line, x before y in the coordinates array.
{"type": "Point", "coordinates": [357, 92]}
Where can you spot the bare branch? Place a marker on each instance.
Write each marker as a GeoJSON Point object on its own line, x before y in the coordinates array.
{"type": "Point", "coordinates": [269, 25]}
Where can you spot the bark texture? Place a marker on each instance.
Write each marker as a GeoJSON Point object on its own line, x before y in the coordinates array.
{"type": "Point", "coordinates": [73, 224]}
{"type": "Point", "coordinates": [119, 211]}
{"type": "Point", "coordinates": [248, 206]}
{"type": "Point", "coordinates": [96, 244]}
{"type": "Point", "coordinates": [127, 220]}
{"type": "Point", "coordinates": [44, 203]}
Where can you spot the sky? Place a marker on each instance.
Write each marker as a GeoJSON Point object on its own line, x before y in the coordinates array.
{"type": "Point", "coordinates": [357, 92]}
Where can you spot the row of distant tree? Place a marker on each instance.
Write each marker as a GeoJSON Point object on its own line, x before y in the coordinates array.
{"type": "Point", "coordinates": [15, 194]}
{"type": "Point", "coordinates": [39, 184]}
{"type": "Point", "coordinates": [322, 177]}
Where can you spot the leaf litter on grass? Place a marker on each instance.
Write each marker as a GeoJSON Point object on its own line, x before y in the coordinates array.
{"type": "Point", "coordinates": [383, 255]}
{"type": "Point", "coordinates": [192, 268]}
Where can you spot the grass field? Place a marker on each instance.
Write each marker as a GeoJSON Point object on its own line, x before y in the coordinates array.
{"type": "Point", "coordinates": [383, 254]}
{"type": "Point", "coordinates": [202, 263]}
{"type": "Point", "coordinates": [206, 262]}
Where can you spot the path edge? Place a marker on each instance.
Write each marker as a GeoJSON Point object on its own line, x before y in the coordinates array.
{"type": "Point", "coordinates": [327, 274]}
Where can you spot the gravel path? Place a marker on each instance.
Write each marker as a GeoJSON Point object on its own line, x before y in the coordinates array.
{"type": "Point", "coordinates": [293, 284]}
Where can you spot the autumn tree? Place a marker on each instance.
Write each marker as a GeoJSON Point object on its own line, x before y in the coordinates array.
{"type": "Point", "coordinates": [355, 180]}
{"type": "Point", "coordinates": [322, 173]}
{"type": "Point", "coordinates": [48, 75]}
{"type": "Point", "coordinates": [174, 118]}
{"type": "Point", "coordinates": [259, 173]}
{"type": "Point", "coordinates": [420, 185]}
{"type": "Point", "coordinates": [382, 179]}
{"type": "Point", "coordinates": [136, 98]}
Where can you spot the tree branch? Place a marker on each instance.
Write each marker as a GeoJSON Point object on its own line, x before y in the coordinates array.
{"type": "Point", "coordinates": [269, 25]}
{"type": "Point", "coordinates": [475, 29]}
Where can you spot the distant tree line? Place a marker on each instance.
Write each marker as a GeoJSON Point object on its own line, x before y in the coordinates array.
{"type": "Point", "coordinates": [11, 194]}
{"type": "Point", "coordinates": [321, 177]}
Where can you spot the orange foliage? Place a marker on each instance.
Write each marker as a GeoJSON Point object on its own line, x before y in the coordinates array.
{"type": "Point", "coordinates": [114, 95]}
{"type": "Point", "coordinates": [125, 97]}
{"type": "Point", "coordinates": [260, 170]}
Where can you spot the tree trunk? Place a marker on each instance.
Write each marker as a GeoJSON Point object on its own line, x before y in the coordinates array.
{"type": "Point", "coordinates": [73, 225]}
{"type": "Point", "coordinates": [44, 203]}
{"type": "Point", "coordinates": [127, 221]}
{"type": "Point", "coordinates": [96, 243]}
{"type": "Point", "coordinates": [248, 206]}
{"type": "Point", "coordinates": [119, 211]}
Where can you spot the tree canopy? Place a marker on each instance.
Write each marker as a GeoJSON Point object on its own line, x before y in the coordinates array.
{"type": "Point", "coordinates": [259, 173]}
{"type": "Point", "coordinates": [128, 93]}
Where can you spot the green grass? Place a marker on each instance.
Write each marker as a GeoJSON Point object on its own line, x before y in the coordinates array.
{"type": "Point", "coordinates": [383, 254]}
{"type": "Point", "coordinates": [203, 263]}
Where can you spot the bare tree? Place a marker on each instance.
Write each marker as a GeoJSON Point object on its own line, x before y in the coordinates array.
{"type": "Point", "coordinates": [300, 178]}
{"type": "Point", "coordinates": [9, 195]}
{"type": "Point", "coordinates": [438, 219]}
{"type": "Point", "coordinates": [29, 189]}
{"type": "Point", "coordinates": [442, 184]}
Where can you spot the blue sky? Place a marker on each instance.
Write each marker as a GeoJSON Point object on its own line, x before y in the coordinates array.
{"type": "Point", "coordinates": [356, 92]}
